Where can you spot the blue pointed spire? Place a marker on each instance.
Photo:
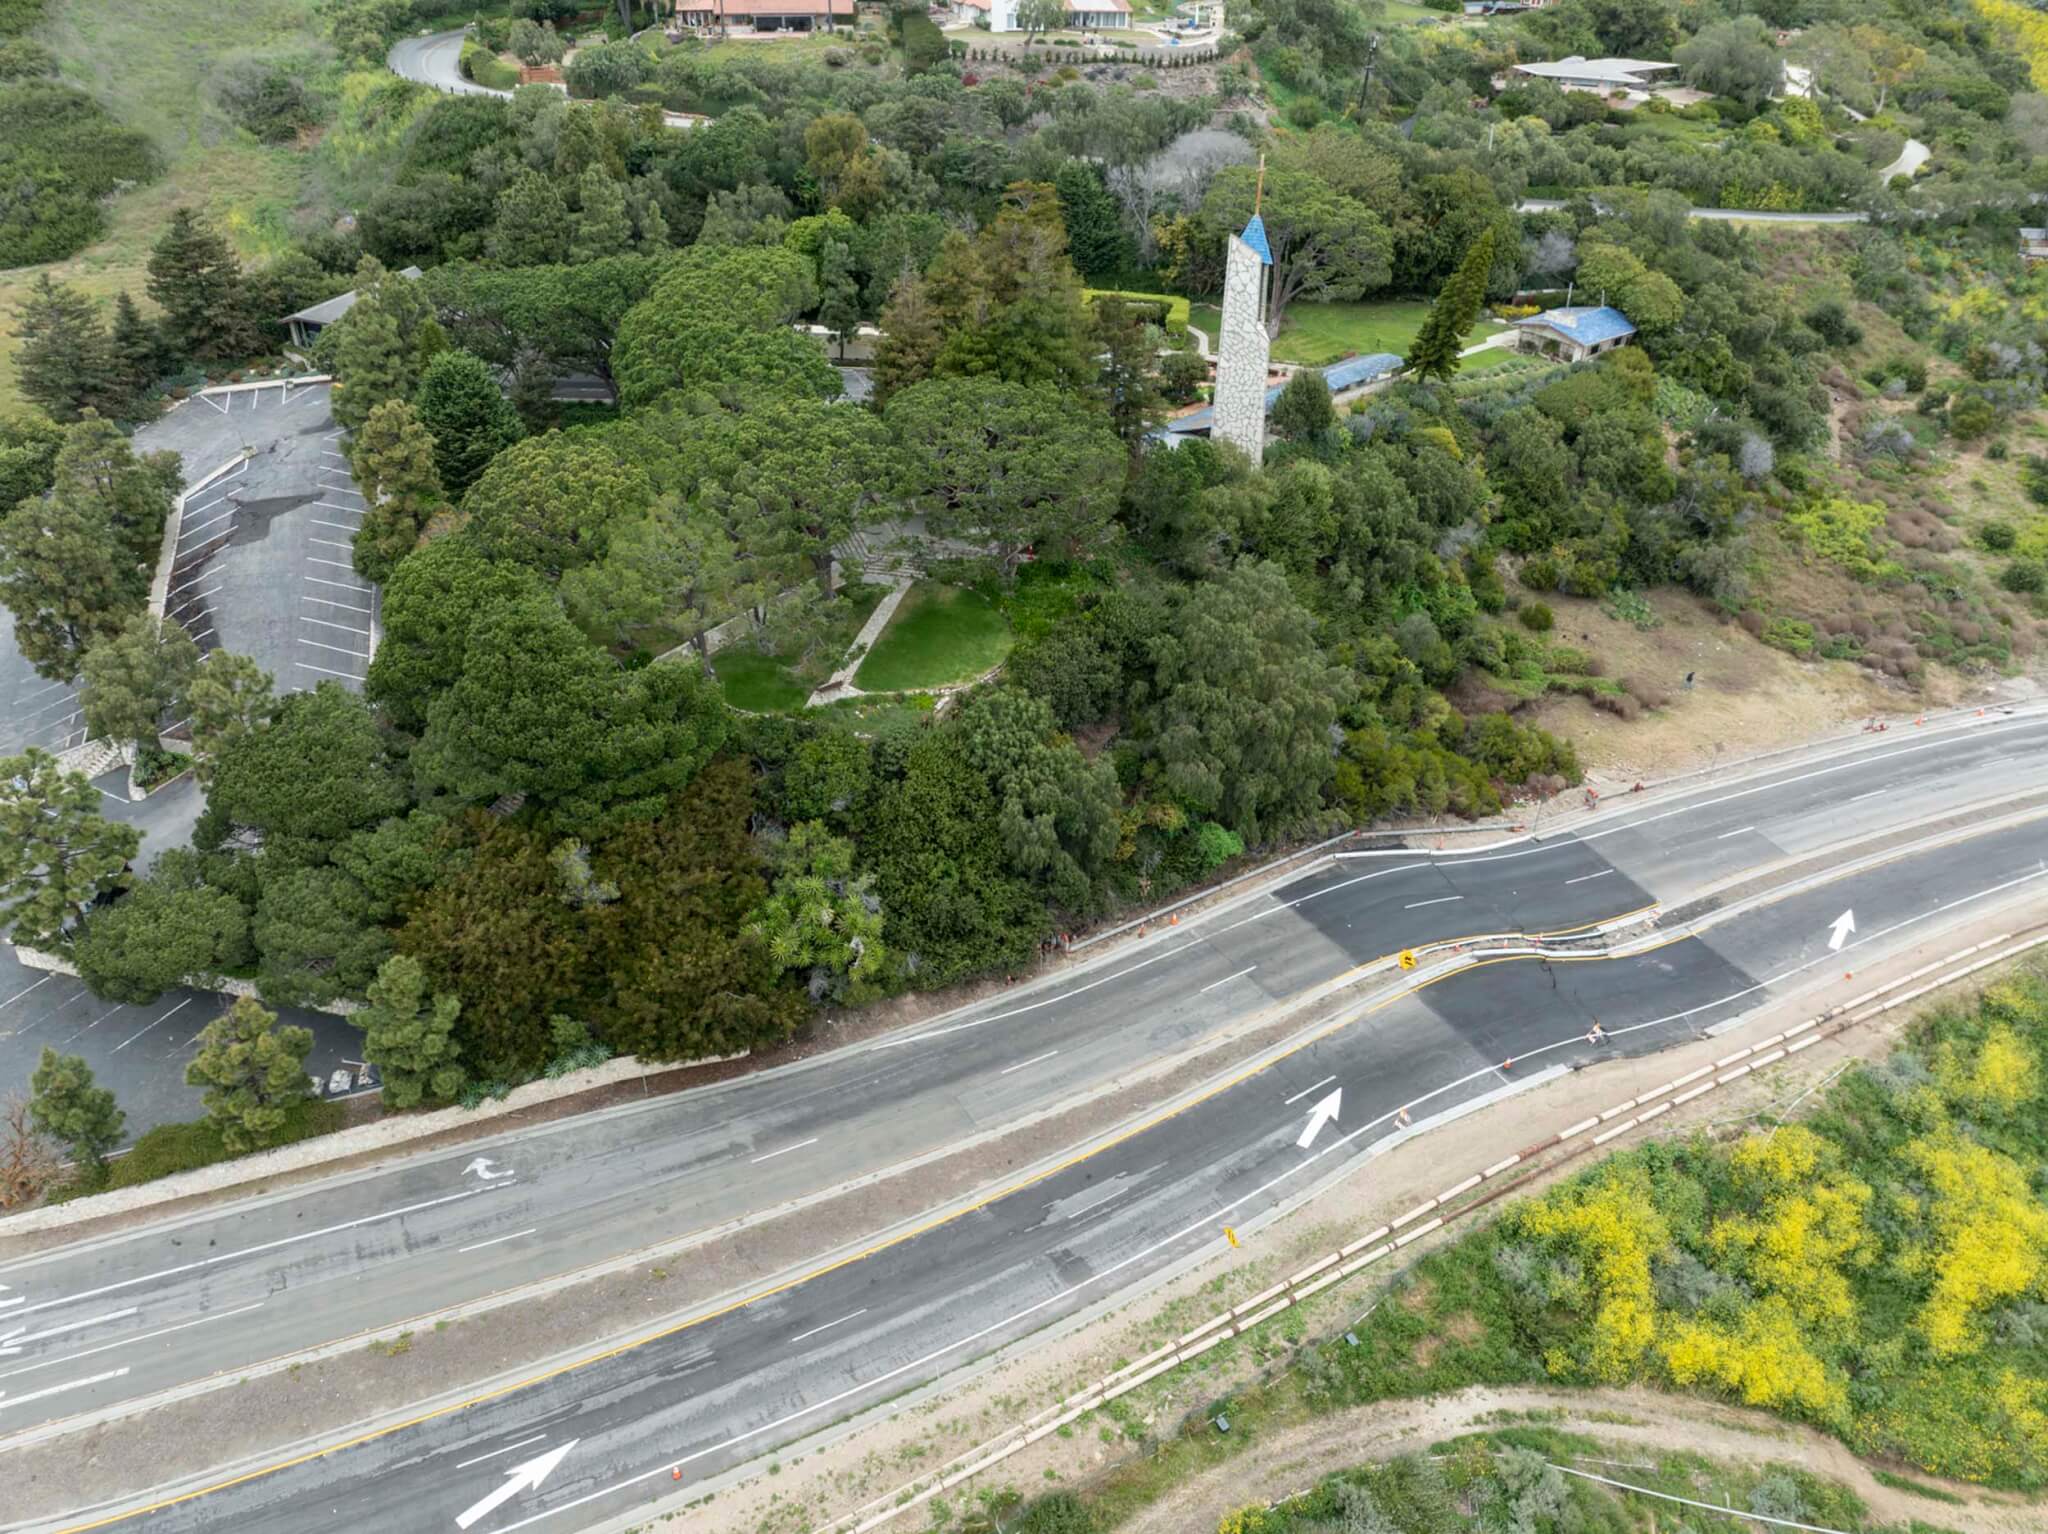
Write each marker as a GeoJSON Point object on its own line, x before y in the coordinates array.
{"type": "Point", "coordinates": [1255, 236]}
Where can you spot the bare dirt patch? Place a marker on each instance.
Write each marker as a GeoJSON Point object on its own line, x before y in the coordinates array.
{"type": "Point", "coordinates": [1745, 696]}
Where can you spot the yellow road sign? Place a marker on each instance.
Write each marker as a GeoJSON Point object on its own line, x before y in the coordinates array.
{"type": "Point", "coordinates": [1230, 1235]}
{"type": "Point", "coordinates": [1407, 958]}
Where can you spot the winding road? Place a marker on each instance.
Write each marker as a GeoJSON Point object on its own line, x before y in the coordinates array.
{"type": "Point", "coordinates": [436, 61]}
{"type": "Point", "coordinates": [1720, 898]}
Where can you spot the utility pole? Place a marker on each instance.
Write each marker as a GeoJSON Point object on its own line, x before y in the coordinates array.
{"type": "Point", "coordinates": [1372, 51]}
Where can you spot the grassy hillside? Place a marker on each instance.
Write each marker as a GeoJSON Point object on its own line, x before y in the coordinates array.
{"type": "Point", "coordinates": [151, 65]}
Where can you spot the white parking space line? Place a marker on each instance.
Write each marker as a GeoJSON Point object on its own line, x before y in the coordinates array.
{"type": "Point", "coordinates": [346, 527]}
{"type": "Point", "coordinates": [146, 1027]}
{"type": "Point", "coordinates": [330, 543]}
{"type": "Point", "coordinates": [201, 597]}
{"type": "Point", "coordinates": [344, 585]}
{"type": "Point", "coordinates": [325, 671]}
{"type": "Point", "coordinates": [19, 994]}
{"type": "Point", "coordinates": [203, 526]}
{"type": "Point", "coordinates": [205, 633]}
{"type": "Point", "coordinates": [347, 607]}
{"type": "Point", "coordinates": [339, 564]}
{"type": "Point", "coordinates": [338, 649]}
{"type": "Point", "coordinates": [345, 628]}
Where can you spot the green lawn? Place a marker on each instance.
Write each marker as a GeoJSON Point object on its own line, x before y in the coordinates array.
{"type": "Point", "coordinates": [1317, 335]}
{"type": "Point", "coordinates": [940, 634]}
{"type": "Point", "coordinates": [760, 684]}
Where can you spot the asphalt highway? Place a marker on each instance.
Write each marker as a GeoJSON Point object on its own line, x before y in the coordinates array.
{"type": "Point", "coordinates": [120, 1318]}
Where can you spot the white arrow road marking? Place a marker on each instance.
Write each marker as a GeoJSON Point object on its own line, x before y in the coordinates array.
{"type": "Point", "coordinates": [1844, 925]}
{"type": "Point", "coordinates": [526, 1477]}
{"type": "Point", "coordinates": [482, 1166]}
{"type": "Point", "coordinates": [37, 1395]}
{"type": "Point", "coordinates": [1322, 1113]}
{"type": "Point", "coordinates": [8, 1346]}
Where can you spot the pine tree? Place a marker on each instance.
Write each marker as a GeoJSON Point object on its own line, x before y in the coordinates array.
{"type": "Point", "coordinates": [603, 227]}
{"type": "Point", "coordinates": [132, 677]}
{"type": "Point", "coordinates": [197, 282]}
{"type": "Point", "coordinates": [138, 351]}
{"type": "Point", "coordinates": [253, 1073]}
{"type": "Point", "coordinates": [532, 227]}
{"type": "Point", "coordinates": [66, 363]}
{"type": "Point", "coordinates": [911, 337]}
{"type": "Point", "coordinates": [461, 404]}
{"type": "Point", "coordinates": [1303, 411]}
{"type": "Point", "coordinates": [650, 224]}
{"type": "Point", "coordinates": [410, 1036]}
{"type": "Point", "coordinates": [57, 855]}
{"type": "Point", "coordinates": [230, 697]}
{"type": "Point", "coordinates": [393, 458]}
{"type": "Point", "coordinates": [69, 1107]}
{"type": "Point", "coordinates": [75, 564]}
{"type": "Point", "coordinates": [371, 365]}
{"type": "Point", "coordinates": [1094, 223]}
{"type": "Point", "coordinates": [838, 292]}
{"type": "Point", "coordinates": [1434, 353]}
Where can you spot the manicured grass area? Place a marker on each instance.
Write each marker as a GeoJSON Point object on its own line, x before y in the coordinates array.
{"type": "Point", "coordinates": [1488, 360]}
{"type": "Point", "coordinates": [808, 48]}
{"type": "Point", "coordinates": [1316, 335]}
{"type": "Point", "coordinates": [940, 634]}
{"type": "Point", "coordinates": [760, 684]}
{"type": "Point", "coordinates": [151, 64]}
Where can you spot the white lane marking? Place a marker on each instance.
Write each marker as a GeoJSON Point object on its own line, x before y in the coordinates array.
{"type": "Point", "coordinates": [37, 1395]}
{"type": "Point", "coordinates": [1022, 1063]}
{"type": "Point", "coordinates": [523, 1443]}
{"type": "Point", "coordinates": [1582, 878]}
{"type": "Point", "coordinates": [1871, 795]}
{"type": "Point", "coordinates": [250, 1251]}
{"type": "Point", "coordinates": [784, 1151]}
{"type": "Point", "coordinates": [107, 1347]}
{"type": "Point", "coordinates": [479, 1246]}
{"type": "Point", "coordinates": [326, 670]}
{"type": "Point", "coordinates": [1289, 1102]}
{"type": "Point", "coordinates": [1206, 1224]}
{"type": "Point", "coordinates": [321, 644]}
{"type": "Point", "coordinates": [1324, 1112]}
{"type": "Point", "coordinates": [1843, 925]}
{"type": "Point", "coordinates": [10, 1001]}
{"type": "Point", "coordinates": [1440, 900]}
{"type": "Point", "coordinates": [1743, 831]}
{"type": "Point", "coordinates": [800, 1336]}
{"type": "Point", "coordinates": [526, 1477]}
{"type": "Point", "coordinates": [1205, 990]}
{"type": "Point", "coordinates": [146, 1027]}
{"type": "Point", "coordinates": [72, 1326]}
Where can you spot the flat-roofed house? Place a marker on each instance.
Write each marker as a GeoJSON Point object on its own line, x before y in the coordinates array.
{"type": "Point", "coordinates": [1605, 76]}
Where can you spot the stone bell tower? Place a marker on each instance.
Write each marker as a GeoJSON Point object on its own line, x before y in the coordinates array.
{"type": "Point", "coordinates": [1241, 352]}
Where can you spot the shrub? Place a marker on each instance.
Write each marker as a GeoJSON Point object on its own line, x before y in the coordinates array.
{"type": "Point", "coordinates": [1792, 635]}
{"type": "Point", "coordinates": [1218, 844]}
{"type": "Point", "coordinates": [267, 98]}
{"type": "Point", "coordinates": [1539, 574]}
{"type": "Point", "coordinates": [1998, 537]}
{"type": "Point", "coordinates": [2025, 577]}
{"type": "Point", "coordinates": [1537, 618]}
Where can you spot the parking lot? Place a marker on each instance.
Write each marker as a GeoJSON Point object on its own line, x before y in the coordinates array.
{"type": "Point", "coordinates": [262, 565]}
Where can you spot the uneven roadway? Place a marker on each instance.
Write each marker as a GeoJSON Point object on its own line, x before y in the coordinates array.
{"type": "Point", "coordinates": [117, 1319]}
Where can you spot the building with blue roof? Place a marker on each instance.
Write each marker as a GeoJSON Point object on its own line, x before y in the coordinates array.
{"type": "Point", "coordinates": [1574, 334]}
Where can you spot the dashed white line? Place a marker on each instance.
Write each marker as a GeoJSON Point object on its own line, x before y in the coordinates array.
{"type": "Point", "coordinates": [73, 1326]}
{"type": "Point", "coordinates": [480, 1245]}
{"type": "Point", "coordinates": [47, 1363]}
{"type": "Point", "coordinates": [1440, 900]}
{"type": "Point", "coordinates": [1205, 990]}
{"type": "Point", "coordinates": [1741, 831]}
{"type": "Point", "coordinates": [1298, 1096]}
{"type": "Point", "coordinates": [536, 1438]}
{"type": "Point", "coordinates": [799, 1337]}
{"type": "Point", "coordinates": [1871, 795]}
{"type": "Point", "coordinates": [1582, 878]}
{"type": "Point", "coordinates": [784, 1151]}
{"type": "Point", "coordinates": [37, 1395]}
{"type": "Point", "coordinates": [1022, 1063]}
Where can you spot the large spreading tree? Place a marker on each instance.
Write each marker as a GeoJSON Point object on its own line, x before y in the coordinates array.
{"type": "Point", "coordinates": [1325, 245]}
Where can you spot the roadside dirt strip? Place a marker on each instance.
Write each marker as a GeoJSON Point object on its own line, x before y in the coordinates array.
{"type": "Point", "coordinates": [1490, 1185]}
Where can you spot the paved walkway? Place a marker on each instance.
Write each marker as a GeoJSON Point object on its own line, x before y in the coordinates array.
{"type": "Point", "coordinates": [840, 683]}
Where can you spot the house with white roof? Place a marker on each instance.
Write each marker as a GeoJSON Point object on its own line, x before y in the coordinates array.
{"type": "Point", "coordinates": [1082, 15]}
{"type": "Point", "coordinates": [1603, 76]}
{"type": "Point", "coordinates": [1574, 334]}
